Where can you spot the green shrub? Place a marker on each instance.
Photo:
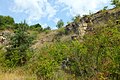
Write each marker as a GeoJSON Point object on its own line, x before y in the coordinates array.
{"type": "Point", "coordinates": [46, 69]}
{"type": "Point", "coordinates": [116, 3]}
{"type": "Point", "coordinates": [17, 52]}
{"type": "Point", "coordinates": [61, 31]}
{"type": "Point", "coordinates": [104, 44]}
{"type": "Point", "coordinates": [97, 57]}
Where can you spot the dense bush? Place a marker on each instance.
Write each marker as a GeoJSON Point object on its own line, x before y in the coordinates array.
{"type": "Point", "coordinates": [5, 21]}
{"type": "Point", "coordinates": [18, 51]}
{"type": "Point", "coordinates": [36, 27]}
{"type": "Point", "coordinates": [96, 57]}
{"type": "Point", "coordinates": [104, 43]}
{"type": "Point", "coordinates": [116, 3]}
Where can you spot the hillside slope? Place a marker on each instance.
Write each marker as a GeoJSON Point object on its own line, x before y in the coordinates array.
{"type": "Point", "coordinates": [86, 49]}
{"type": "Point", "coordinates": [79, 29]}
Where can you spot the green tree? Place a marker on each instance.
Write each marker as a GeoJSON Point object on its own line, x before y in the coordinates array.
{"type": "Point", "coordinates": [105, 8]}
{"type": "Point", "coordinates": [116, 3]}
{"type": "Point", "coordinates": [6, 21]}
{"type": "Point", "coordinates": [17, 53]}
{"type": "Point", "coordinates": [47, 28]}
{"type": "Point", "coordinates": [60, 24]}
{"type": "Point", "coordinates": [1, 20]}
{"type": "Point", "coordinates": [37, 27]}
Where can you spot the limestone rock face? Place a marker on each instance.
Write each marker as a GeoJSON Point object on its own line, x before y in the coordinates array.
{"type": "Point", "coordinates": [88, 22]}
{"type": "Point", "coordinates": [4, 37]}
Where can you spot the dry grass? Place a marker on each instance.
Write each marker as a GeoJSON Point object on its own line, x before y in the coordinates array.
{"type": "Point", "coordinates": [17, 75]}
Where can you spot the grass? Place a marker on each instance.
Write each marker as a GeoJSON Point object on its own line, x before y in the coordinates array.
{"type": "Point", "coordinates": [17, 74]}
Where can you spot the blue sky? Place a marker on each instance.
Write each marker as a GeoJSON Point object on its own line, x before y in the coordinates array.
{"type": "Point", "coordinates": [48, 12]}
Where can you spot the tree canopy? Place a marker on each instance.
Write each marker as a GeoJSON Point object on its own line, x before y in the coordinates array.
{"type": "Point", "coordinates": [116, 3]}
{"type": "Point", "coordinates": [60, 23]}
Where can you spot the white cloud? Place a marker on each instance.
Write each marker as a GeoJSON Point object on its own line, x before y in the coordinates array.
{"type": "Point", "coordinates": [55, 20]}
{"type": "Point", "coordinates": [38, 9]}
{"type": "Point", "coordinates": [35, 9]}
{"type": "Point", "coordinates": [82, 6]}
{"type": "Point", "coordinates": [44, 25]}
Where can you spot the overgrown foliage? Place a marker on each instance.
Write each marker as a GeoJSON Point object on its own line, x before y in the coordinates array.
{"type": "Point", "coordinates": [18, 52]}
{"type": "Point", "coordinates": [116, 3]}
{"type": "Point", "coordinates": [97, 57]}
{"type": "Point", "coordinates": [6, 22]}
{"type": "Point", "coordinates": [36, 27]}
